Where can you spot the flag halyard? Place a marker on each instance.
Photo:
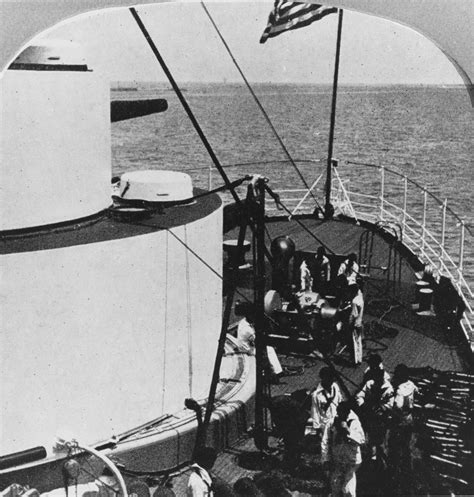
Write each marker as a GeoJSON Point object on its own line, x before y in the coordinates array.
{"type": "Point", "coordinates": [292, 15]}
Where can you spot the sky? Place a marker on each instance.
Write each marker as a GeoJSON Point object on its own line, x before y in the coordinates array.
{"type": "Point", "coordinates": [374, 51]}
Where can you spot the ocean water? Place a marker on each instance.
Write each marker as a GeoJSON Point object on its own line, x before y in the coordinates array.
{"type": "Point", "coordinates": [422, 132]}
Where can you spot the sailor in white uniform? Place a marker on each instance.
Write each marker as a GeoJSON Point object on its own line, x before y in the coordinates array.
{"type": "Point", "coordinates": [246, 340]}
{"type": "Point", "coordinates": [324, 402]}
{"type": "Point", "coordinates": [350, 269]}
{"type": "Point", "coordinates": [200, 481]}
{"type": "Point", "coordinates": [346, 438]}
{"type": "Point", "coordinates": [355, 324]}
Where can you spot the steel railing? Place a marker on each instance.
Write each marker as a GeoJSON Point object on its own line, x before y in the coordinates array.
{"type": "Point", "coordinates": [394, 198]}
{"type": "Point", "coordinates": [429, 227]}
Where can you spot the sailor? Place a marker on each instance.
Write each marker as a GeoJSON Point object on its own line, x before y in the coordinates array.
{"type": "Point", "coordinates": [246, 487]}
{"type": "Point", "coordinates": [375, 363]}
{"type": "Point", "coordinates": [324, 402]}
{"type": "Point", "coordinates": [289, 417]}
{"type": "Point", "coordinates": [200, 481]}
{"type": "Point", "coordinates": [246, 334]}
{"type": "Point", "coordinates": [344, 309]}
{"type": "Point", "coordinates": [376, 397]}
{"type": "Point", "coordinates": [350, 269]}
{"type": "Point", "coordinates": [305, 277]}
{"type": "Point", "coordinates": [355, 323]}
{"type": "Point", "coordinates": [401, 431]}
{"type": "Point", "coordinates": [321, 271]}
{"type": "Point", "coordinates": [246, 341]}
{"type": "Point", "coordinates": [346, 438]}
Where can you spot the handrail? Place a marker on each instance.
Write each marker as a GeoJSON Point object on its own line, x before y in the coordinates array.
{"type": "Point", "coordinates": [256, 163]}
{"type": "Point", "coordinates": [436, 245]}
{"type": "Point", "coordinates": [433, 260]}
{"type": "Point", "coordinates": [419, 236]}
{"type": "Point", "coordinates": [418, 185]}
{"type": "Point", "coordinates": [423, 235]}
{"type": "Point", "coordinates": [433, 243]}
{"type": "Point", "coordinates": [442, 203]}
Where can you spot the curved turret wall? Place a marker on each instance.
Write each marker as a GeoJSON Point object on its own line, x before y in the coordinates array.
{"type": "Point", "coordinates": [55, 141]}
{"type": "Point", "coordinates": [100, 337]}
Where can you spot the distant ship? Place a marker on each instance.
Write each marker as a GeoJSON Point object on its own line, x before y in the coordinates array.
{"type": "Point", "coordinates": [124, 86]}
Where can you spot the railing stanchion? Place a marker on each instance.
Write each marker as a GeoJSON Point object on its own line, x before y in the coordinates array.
{"type": "Point", "coordinates": [461, 252]}
{"type": "Point", "coordinates": [423, 226]}
{"type": "Point", "coordinates": [443, 232]}
{"type": "Point", "coordinates": [405, 200]}
{"type": "Point", "coordinates": [382, 188]}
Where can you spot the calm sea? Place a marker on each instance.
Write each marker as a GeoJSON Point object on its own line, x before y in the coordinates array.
{"type": "Point", "coordinates": [422, 132]}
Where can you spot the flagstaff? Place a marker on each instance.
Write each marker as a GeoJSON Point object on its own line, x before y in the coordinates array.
{"type": "Point", "coordinates": [328, 207]}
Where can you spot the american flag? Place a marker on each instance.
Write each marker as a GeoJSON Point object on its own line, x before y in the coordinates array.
{"type": "Point", "coordinates": [292, 15]}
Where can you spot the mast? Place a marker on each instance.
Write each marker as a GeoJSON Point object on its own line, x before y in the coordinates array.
{"type": "Point", "coordinates": [328, 208]}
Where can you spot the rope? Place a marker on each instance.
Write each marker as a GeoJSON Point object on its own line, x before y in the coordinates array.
{"type": "Point", "coordinates": [219, 275]}
{"type": "Point", "coordinates": [278, 201]}
{"type": "Point", "coordinates": [188, 323]}
{"type": "Point", "coordinates": [259, 104]}
{"type": "Point", "coordinates": [163, 390]}
{"type": "Point", "coordinates": [184, 103]}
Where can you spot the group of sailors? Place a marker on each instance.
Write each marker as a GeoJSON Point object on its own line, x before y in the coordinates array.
{"type": "Point", "coordinates": [376, 424]}
{"type": "Point", "coordinates": [316, 273]}
{"type": "Point", "coordinates": [344, 291]}
{"type": "Point", "coordinates": [379, 417]}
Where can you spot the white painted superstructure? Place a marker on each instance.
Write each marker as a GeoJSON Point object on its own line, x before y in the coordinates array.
{"type": "Point", "coordinates": [105, 325]}
{"type": "Point", "coordinates": [55, 151]}
{"type": "Point", "coordinates": [102, 337]}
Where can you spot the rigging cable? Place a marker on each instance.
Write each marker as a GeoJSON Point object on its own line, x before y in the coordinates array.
{"type": "Point", "coordinates": [165, 340]}
{"type": "Point", "coordinates": [189, 317]}
{"type": "Point", "coordinates": [189, 112]}
{"type": "Point", "coordinates": [326, 359]}
{"type": "Point", "coordinates": [278, 201]}
{"type": "Point", "coordinates": [259, 104]}
{"type": "Point", "coordinates": [219, 275]}
{"type": "Point", "coordinates": [184, 103]}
